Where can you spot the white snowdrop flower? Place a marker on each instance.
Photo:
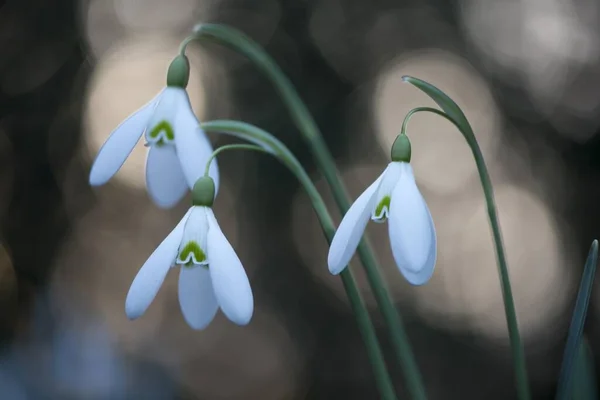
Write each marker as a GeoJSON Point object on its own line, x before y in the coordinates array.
{"type": "Point", "coordinates": [178, 147]}
{"type": "Point", "coordinates": [393, 197]}
{"type": "Point", "coordinates": [211, 275]}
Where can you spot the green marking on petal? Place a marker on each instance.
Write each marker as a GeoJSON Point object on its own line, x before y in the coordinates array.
{"type": "Point", "coordinates": [381, 211]}
{"type": "Point", "coordinates": [191, 255]}
{"type": "Point", "coordinates": [157, 133]}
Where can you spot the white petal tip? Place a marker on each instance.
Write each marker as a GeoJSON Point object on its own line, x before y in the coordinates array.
{"type": "Point", "coordinates": [241, 320]}
{"type": "Point", "coordinates": [162, 204]}
{"type": "Point", "coordinates": [239, 310]}
{"type": "Point", "coordinates": [96, 180]}
{"type": "Point", "coordinates": [242, 313]}
{"type": "Point", "coordinates": [133, 313]}
{"type": "Point", "coordinates": [417, 279]}
{"type": "Point", "coordinates": [195, 326]}
{"type": "Point", "coordinates": [135, 306]}
{"type": "Point", "coordinates": [336, 269]}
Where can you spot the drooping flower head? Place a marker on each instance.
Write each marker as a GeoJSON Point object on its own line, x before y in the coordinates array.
{"type": "Point", "coordinates": [211, 275]}
{"type": "Point", "coordinates": [394, 197]}
{"type": "Point", "coordinates": [177, 147]}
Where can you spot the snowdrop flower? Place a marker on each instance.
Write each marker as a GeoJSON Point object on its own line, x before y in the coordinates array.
{"type": "Point", "coordinates": [178, 148]}
{"type": "Point", "coordinates": [393, 197]}
{"type": "Point", "coordinates": [211, 274]}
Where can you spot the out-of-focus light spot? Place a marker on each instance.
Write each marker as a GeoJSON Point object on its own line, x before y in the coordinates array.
{"type": "Point", "coordinates": [258, 361]}
{"type": "Point", "coordinates": [7, 171]}
{"type": "Point", "coordinates": [356, 40]}
{"type": "Point", "coordinates": [10, 387]}
{"type": "Point", "coordinates": [125, 80]}
{"type": "Point", "coordinates": [465, 289]}
{"type": "Point", "coordinates": [85, 362]}
{"type": "Point", "coordinates": [442, 160]}
{"type": "Point", "coordinates": [102, 27]}
{"type": "Point", "coordinates": [329, 28]}
{"type": "Point", "coordinates": [8, 278]}
{"type": "Point", "coordinates": [8, 287]}
{"type": "Point", "coordinates": [259, 20]}
{"type": "Point", "coordinates": [34, 66]}
{"type": "Point", "coordinates": [154, 15]}
{"type": "Point", "coordinates": [543, 45]}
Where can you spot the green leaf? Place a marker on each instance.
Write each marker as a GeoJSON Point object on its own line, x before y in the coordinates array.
{"type": "Point", "coordinates": [572, 349]}
{"type": "Point", "coordinates": [453, 113]}
{"type": "Point", "coordinates": [584, 380]}
{"type": "Point", "coordinates": [446, 103]}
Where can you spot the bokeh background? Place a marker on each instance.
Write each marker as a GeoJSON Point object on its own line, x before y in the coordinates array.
{"type": "Point", "coordinates": [527, 75]}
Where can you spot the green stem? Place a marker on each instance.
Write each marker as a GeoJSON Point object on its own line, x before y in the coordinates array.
{"type": "Point", "coordinates": [518, 353]}
{"type": "Point", "coordinates": [232, 147]}
{"type": "Point", "coordinates": [270, 144]}
{"type": "Point", "coordinates": [241, 43]}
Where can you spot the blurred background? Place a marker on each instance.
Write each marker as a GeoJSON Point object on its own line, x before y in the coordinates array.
{"type": "Point", "coordinates": [527, 75]}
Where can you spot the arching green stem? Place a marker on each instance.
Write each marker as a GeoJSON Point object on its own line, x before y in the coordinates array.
{"type": "Point", "coordinates": [507, 296]}
{"type": "Point", "coordinates": [301, 117]}
{"type": "Point", "coordinates": [232, 147]}
{"type": "Point", "coordinates": [269, 144]}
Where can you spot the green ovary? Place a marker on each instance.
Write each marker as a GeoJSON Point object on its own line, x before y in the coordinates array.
{"type": "Point", "coordinates": [197, 255]}
{"type": "Point", "coordinates": [382, 209]}
{"type": "Point", "coordinates": [157, 133]}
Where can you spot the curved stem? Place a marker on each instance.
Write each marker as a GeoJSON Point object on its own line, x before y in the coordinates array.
{"type": "Point", "coordinates": [242, 44]}
{"type": "Point", "coordinates": [272, 145]}
{"type": "Point", "coordinates": [507, 296]}
{"type": "Point", "coordinates": [184, 44]}
{"type": "Point", "coordinates": [232, 147]}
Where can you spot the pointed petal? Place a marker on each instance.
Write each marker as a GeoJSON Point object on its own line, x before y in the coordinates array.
{"type": "Point", "coordinates": [193, 243]}
{"type": "Point", "coordinates": [351, 229]}
{"type": "Point", "coordinates": [197, 297]}
{"type": "Point", "coordinates": [193, 146]}
{"type": "Point", "coordinates": [120, 143]}
{"type": "Point", "coordinates": [149, 279]}
{"type": "Point", "coordinates": [160, 128]}
{"type": "Point", "coordinates": [164, 178]}
{"type": "Point", "coordinates": [412, 232]}
{"type": "Point", "coordinates": [384, 193]}
{"type": "Point", "coordinates": [229, 278]}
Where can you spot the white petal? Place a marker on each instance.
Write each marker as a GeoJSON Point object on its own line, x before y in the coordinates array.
{"type": "Point", "coordinates": [196, 296]}
{"type": "Point", "coordinates": [194, 233]}
{"type": "Point", "coordinates": [229, 278]}
{"type": "Point", "coordinates": [384, 193]}
{"type": "Point", "coordinates": [412, 232]}
{"type": "Point", "coordinates": [164, 113]}
{"type": "Point", "coordinates": [164, 178]}
{"type": "Point", "coordinates": [351, 229]}
{"type": "Point", "coordinates": [193, 146]}
{"type": "Point", "coordinates": [120, 143]}
{"type": "Point", "coordinates": [149, 279]}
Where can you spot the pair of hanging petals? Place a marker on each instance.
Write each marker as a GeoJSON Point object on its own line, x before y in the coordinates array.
{"type": "Point", "coordinates": [177, 153]}
{"type": "Point", "coordinates": [393, 197]}
{"type": "Point", "coordinates": [211, 275]}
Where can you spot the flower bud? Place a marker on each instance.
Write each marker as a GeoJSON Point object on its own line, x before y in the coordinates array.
{"type": "Point", "coordinates": [401, 149]}
{"type": "Point", "coordinates": [203, 193]}
{"type": "Point", "coordinates": [179, 72]}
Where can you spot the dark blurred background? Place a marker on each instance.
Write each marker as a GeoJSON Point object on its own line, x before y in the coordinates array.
{"type": "Point", "coordinates": [527, 75]}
